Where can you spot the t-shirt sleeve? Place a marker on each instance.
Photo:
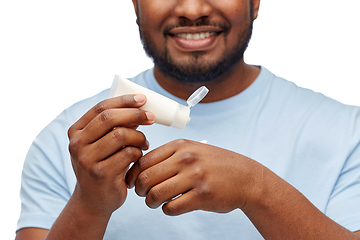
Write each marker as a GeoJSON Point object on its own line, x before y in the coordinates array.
{"type": "Point", "coordinates": [344, 203]}
{"type": "Point", "coordinates": [47, 178]}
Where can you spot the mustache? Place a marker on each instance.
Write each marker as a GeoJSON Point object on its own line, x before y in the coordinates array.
{"type": "Point", "coordinates": [199, 23]}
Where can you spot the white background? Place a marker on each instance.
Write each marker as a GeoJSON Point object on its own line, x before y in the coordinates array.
{"type": "Point", "coordinates": [54, 53]}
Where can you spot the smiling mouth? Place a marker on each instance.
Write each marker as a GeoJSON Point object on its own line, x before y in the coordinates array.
{"type": "Point", "coordinates": [195, 36]}
{"type": "Point", "coordinates": [190, 41]}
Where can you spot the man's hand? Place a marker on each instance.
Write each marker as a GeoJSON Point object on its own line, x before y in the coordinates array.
{"type": "Point", "coordinates": [188, 176]}
{"type": "Point", "coordinates": [185, 176]}
{"type": "Point", "coordinates": [103, 143]}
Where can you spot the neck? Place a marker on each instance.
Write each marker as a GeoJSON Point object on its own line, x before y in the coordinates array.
{"type": "Point", "coordinates": [228, 85]}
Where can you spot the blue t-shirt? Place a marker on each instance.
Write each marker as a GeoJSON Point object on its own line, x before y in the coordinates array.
{"type": "Point", "coordinates": [307, 139]}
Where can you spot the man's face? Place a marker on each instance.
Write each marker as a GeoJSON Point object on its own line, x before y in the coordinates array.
{"type": "Point", "coordinates": [195, 40]}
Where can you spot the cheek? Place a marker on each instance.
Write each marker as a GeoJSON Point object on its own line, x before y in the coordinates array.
{"type": "Point", "coordinates": [154, 12]}
{"type": "Point", "coordinates": [236, 12]}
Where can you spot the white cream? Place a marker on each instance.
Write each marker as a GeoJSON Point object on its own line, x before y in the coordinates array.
{"type": "Point", "coordinates": [167, 111]}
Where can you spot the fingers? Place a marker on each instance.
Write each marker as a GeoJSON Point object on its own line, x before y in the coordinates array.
{"type": "Point", "coordinates": [102, 144]}
{"type": "Point", "coordinates": [178, 195]}
{"type": "Point", "coordinates": [154, 175]}
{"type": "Point", "coordinates": [118, 163]}
{"type": "Point", "coordinates": [186, 176]}
{"type": "Point", "coordinates": [185, 203]}
{"type": "Point", "coordinates": [167, 190]}
{"type": "Point", "coordinates": [101, 186]}
{"type": "Point", "coordinates": [108, 127]}
{"type": "Point", "coordinates": [150, 159]}
{"type": "Point", "coordinates": [108, 119]}
{"type": "Point", "coordinates": [101, 112]}
{"type": "Point", "coordinates": [158, 175]}
{"type": "Point", "coordinates": [116, 140]}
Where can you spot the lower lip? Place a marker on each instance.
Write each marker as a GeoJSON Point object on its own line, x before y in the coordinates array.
{"type": "Point", "coordinates": [191, 45]}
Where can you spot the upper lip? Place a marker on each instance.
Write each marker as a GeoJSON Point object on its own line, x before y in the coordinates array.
{"type": "Point", "coordinates": [180, 30]}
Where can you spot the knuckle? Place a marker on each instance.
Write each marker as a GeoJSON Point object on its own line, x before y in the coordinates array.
{"type": "Point", "coordinates": [205, 192]}
{"type": "Point", "coordinates": [100, 107]}
{"type": "Point", "coordinates": [154, 197]}
{"type": "Point", "coordinates": [139, 114]}
{"type": "Point", "coordinates": [181, 142]}
{"type": "Point", "coordinates": [188, 157]}
{"type": "Point", "coordinates": [170, 209]}
{"type": "Point", "coordinates": [127, 100]}
{"type": "Point", "coordinates": [132, 153]}
{"type": "Point", "coordinates": [74, 145]}
{"type": "Point", "coordinates": [83, 161]}
{"type": "Point", "coordinates": [119, 134]}
{"type": "Point", "coordinates": [142, 163]}
{"type": "Point", "coordinates": [198, 174]}
{"type": "Point", "coordinates": [97, 172]}
{"type": "Point", "coordinates": [142, 182]}
{"type": "Point", "coordinates": [123, 100]}
{"type": "Point", "coordinates": [106, 117]}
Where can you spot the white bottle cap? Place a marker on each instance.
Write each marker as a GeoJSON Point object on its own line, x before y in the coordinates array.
{"type": "Point", "coordinates": [182, 115]}
{"type": "Point", "coordinates": [197, 96]}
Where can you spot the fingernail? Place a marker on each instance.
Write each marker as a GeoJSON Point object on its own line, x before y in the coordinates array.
{"type": "Point", "coordinates": [139, 98]}
{"type": "Point", "coordinates": [150, 117]}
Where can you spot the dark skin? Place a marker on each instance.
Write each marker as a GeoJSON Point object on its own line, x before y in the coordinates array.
{"type": "Point", "coordinates": [219, 89]}
{"type": "Point", "coordinates": [193, 169]}
{"type": "Point", "coordinates": [105, 141]}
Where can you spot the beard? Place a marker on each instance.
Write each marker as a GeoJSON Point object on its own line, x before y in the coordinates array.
{"type": "Point", "coordinates": [194, 70]}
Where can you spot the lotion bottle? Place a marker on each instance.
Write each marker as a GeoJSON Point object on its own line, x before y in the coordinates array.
{"type": "Point", "coordinates": [167, 111]}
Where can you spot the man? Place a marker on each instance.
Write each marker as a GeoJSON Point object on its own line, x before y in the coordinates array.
{"type": "Point", "coordinates": [281, 162]}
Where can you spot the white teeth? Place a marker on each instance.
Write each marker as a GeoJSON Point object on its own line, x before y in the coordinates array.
{"type": "Point", "coordinates": [196, 36]}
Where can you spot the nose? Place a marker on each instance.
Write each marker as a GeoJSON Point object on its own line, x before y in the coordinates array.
{"type": "Point", "coordinates": [192, 9]}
